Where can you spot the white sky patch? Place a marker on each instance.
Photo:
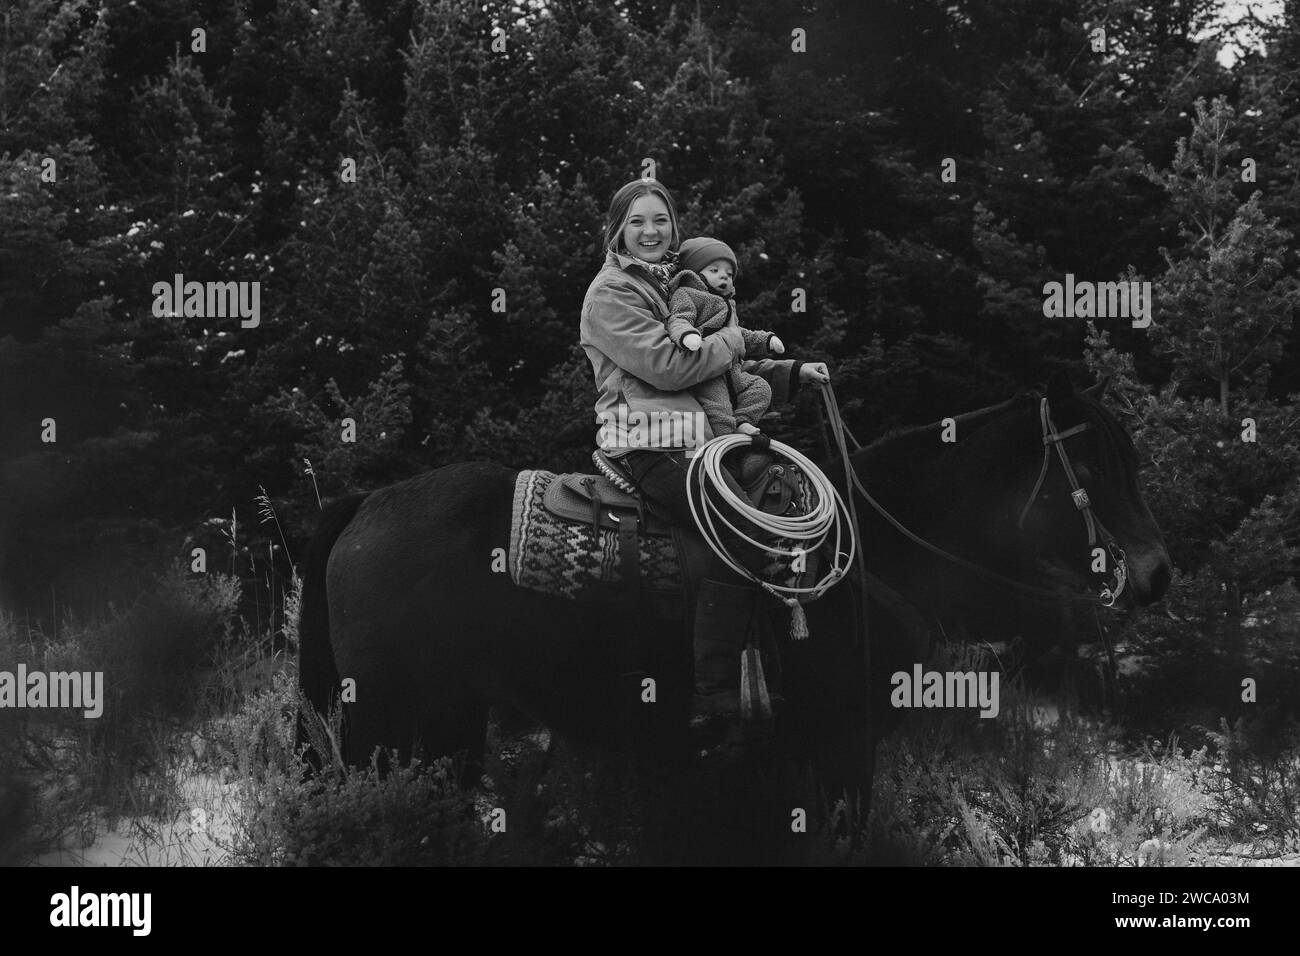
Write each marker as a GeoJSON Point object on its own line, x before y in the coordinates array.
{"type": "Point", "coordinates": [1240, 16]}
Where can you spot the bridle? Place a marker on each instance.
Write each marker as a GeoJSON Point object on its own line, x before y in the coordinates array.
{"type": "Point", "coordinates": [1053, 438]}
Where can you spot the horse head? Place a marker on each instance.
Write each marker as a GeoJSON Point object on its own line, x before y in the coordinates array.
{"type": "Point", "coordinates": [1077, 502]}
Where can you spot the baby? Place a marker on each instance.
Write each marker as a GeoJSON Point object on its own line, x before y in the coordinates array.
{"type": "Point", "coordinates": [702, 302]}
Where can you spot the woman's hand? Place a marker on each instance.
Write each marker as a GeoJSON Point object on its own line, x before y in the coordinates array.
{"type": "Point", "coordinates": [815, 372]}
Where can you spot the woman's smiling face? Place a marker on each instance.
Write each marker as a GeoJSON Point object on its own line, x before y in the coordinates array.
{"type": "Point", "coordinates": [649, 229]}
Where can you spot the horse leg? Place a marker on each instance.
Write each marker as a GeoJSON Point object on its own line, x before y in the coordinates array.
{"type": "Point", "coordinates": [420, 618]}
{"type": "Point", "coordinates": [410, 690]}
{"type": "Point", "coordinates": [844, 762]}
{"type": "Point", "coordinates": [462, 734]}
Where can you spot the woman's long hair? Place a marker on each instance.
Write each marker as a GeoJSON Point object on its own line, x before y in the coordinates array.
{"type": "Point", "coordinates": [621, 205]}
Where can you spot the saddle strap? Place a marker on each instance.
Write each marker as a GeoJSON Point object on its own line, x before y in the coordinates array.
{"type": "Point", "coordinates": [770, 486]}
{"type": "Point", "coordinates": [596, 503]}
{"type": "Point", "coordinates": [776, 490]}
{"type": "Point", "coordinates": [755, 701]}
{"type": "Point", "coordinates": [629, 558]}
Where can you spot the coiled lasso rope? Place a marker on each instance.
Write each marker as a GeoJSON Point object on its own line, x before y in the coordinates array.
{"type": "Point", "coordinates": [828, 514]}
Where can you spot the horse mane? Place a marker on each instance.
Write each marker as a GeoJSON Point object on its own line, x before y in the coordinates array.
{"type": "Point", "coordinates": [979, 416]}
{"type": "Point", "coordinates": [1117, 455]}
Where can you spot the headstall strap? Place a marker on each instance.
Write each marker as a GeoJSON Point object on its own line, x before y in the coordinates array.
{"type": "Point", "coordinates": [1109, 594]}
{"type": "Point", "coordinates": [1052, 437]}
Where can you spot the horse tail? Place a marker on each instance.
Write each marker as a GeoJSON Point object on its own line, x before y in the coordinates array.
{"type": "Point", "coordinates": [318, 675]}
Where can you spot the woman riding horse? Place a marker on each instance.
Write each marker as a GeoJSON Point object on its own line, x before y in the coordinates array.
{"type": "Point", "coordinates": [642, 381]}
{"type": "Point", "coordinates": [408, 608]}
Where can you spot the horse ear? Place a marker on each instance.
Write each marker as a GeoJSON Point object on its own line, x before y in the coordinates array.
{"type": "Point", "coordinates": [1098, 391]}
{"type": "Point", "coordinates": [1059, 387]}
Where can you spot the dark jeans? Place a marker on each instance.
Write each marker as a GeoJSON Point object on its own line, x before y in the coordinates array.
{"type": "Point", "coordinates": [661, 477]}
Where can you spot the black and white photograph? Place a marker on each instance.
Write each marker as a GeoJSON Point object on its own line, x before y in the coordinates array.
{"type": "Point", "coordinates": [516, 434]}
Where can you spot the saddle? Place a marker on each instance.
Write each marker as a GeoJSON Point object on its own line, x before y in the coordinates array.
{"type": "Point", "coordinates": [596, 500]}
{"type": "Point", "coordinates": [610, 497]}
{"type": "Point", "coordinates": [604, 502]}
{"type": "Point", "coordinates": [609, 501]}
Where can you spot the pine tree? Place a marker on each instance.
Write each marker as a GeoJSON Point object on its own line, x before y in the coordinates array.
{"type": "Point", "coordinates": [1269, 123]}
{"type": "Point", "coordinates": [1224, 305]}
{"type": "Point", "coordinates": [1223, 478]}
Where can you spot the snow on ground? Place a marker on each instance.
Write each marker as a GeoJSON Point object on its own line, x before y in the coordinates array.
{"type": "Point", "coordinates": [203, 828]}
{"type": "Point", "coordinates": [200, 834]}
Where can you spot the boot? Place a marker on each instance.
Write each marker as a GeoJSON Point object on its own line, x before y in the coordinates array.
{"type": "Point", "coordinates": [723, 615]}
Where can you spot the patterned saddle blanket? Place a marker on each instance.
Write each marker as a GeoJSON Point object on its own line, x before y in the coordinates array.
{"type": "Point", "coordinates": [572, 559]}
{"type": "Point", "coordinates": [550, 554]}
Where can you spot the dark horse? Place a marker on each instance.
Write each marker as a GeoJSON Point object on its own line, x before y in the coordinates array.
{"type": "Point", "coordinates": [400, 594]}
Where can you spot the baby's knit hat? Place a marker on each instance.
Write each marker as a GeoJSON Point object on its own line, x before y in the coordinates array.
{"type": "Point", "coordinates": [695, 254]}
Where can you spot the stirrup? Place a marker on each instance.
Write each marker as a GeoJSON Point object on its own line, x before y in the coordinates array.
{"type": "Point", "coordinates": [714, 735]}
{"type": "Point", "coordinates": [729, 737]}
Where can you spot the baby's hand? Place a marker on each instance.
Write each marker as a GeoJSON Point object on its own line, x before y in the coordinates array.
{"type": "Point", "coordinates": [745, 428]}
{"type": "Point", "coordinates": [692, 341]}
{"type": "Point", "coordinates": [775, 346]}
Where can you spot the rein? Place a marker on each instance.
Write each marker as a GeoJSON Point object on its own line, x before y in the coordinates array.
{"type": "Point", "coordinates": [1109, 594]}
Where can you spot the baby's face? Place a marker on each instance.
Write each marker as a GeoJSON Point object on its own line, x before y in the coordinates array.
{"type": "Point", "coordinates": [718, 274]}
